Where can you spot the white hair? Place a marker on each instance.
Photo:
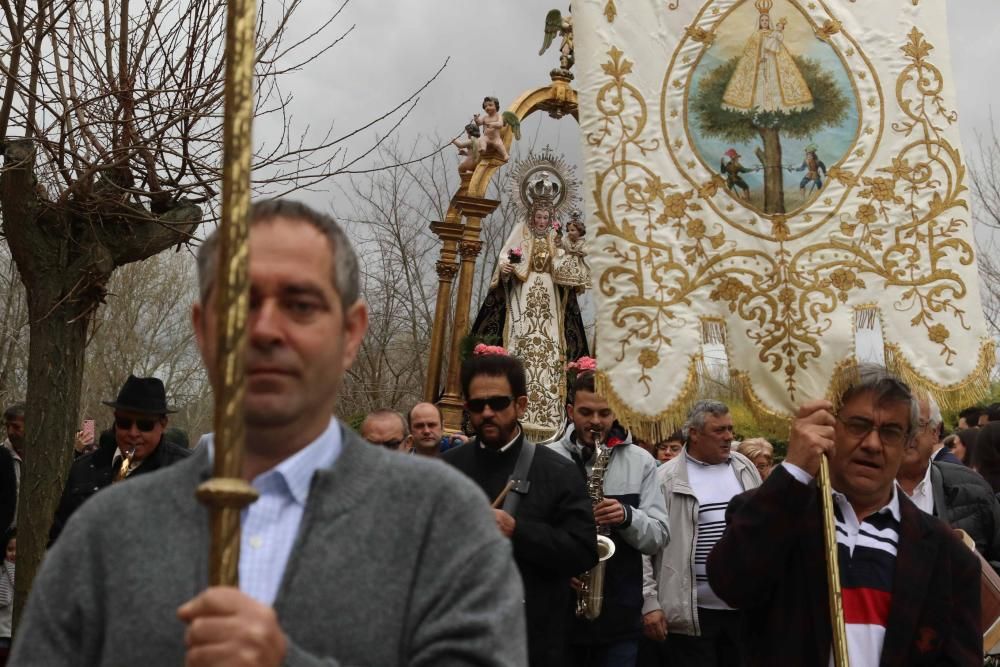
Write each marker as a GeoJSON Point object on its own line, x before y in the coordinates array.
{"type": "Point", "coordinates": [933, 411]}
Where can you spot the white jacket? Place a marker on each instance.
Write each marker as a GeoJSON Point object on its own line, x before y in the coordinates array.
{"type": "Point", "coordinates": [669, 577]}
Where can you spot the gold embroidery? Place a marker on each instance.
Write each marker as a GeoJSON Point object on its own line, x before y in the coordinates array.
{"type": "Point", "coordinates": [782, 297]}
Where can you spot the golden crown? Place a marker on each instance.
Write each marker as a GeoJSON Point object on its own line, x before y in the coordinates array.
{"type": "Point", "coordinates": [764, 6]}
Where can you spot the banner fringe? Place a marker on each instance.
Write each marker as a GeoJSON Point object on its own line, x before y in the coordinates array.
{"type": "Point", "coordinates": [970, 391]}
{"type": "Point", "coordinates": [654, 428]}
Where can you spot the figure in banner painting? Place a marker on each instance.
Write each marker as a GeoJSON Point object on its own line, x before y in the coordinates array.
{"type": "Point", "coordinates": [767, 87]}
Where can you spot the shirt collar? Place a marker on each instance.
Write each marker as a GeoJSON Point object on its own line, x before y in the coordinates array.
{"type": "Point", "coordinates": [296, 472]}
{"type": "Point", "coordinates": [892, 507]}
{"type": "Point", "coordinates": [695, 461]}
{"type": "Point", "coordinates": [924, 484]}
{"type": "Point", "coordinates": [509, 444]}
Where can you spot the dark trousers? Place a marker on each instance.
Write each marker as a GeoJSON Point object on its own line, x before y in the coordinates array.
{"type": "Point", "coordinates": [718, 645]}
{"type": "Point", "coordinates": [618, 654]}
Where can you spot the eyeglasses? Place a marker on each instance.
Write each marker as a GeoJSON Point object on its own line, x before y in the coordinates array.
{"type": "Point", "coordinates": [144, 425]}
{"type": "Point", "coordinates": [496, 403]}
{"type": "Point", "coordinates": [388, 444]}
{"type": "Point", "coordinates": [860, 428]}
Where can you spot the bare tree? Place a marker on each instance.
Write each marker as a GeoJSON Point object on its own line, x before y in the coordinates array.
{"type": "Point", "coordinates": [390, 223]}
{"type": "Point", "coordinates": [985, 171]}
{"type": "Point", "coordinates": [117, 108]}
{"type": "Point", "coordinates": [145, 329]}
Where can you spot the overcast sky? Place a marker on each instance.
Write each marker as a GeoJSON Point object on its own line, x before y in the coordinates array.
{"type": "Point", "coordinates": [396, 45]}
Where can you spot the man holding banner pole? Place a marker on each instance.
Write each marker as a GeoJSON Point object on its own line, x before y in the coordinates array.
{"type": "Point", "coordinates": [911, 589]}
{"type": "Point", "coordinates": [341, 531]}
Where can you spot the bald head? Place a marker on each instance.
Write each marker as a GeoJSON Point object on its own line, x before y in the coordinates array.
{"type": "Point", "coordinates": [426, 428]}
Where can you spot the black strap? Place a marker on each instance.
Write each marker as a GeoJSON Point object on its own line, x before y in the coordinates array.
{"type": "Point", "coordinates": [519, 477]}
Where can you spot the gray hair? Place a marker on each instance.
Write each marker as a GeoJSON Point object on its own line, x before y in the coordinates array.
{"type": "Point", "coordinates": [886, 387]}
{"type": "Point", "coordinates": [345, 277]}
{"type": "Point", "coordinates": [700, 410]}
{"type": "Point", "coordinates": [752, 447]}
{"type": "Point", "coordinates": [933, 411]}
{"type": "Point", "coordinates": [385, 413]}
{"type": "Point", "coordinates": [14, 411]}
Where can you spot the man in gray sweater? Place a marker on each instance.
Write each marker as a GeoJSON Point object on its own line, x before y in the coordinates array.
{"type": "Point", "coordinates": [351, 556]}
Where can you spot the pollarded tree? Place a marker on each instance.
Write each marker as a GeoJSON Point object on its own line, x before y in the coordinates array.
{"type": "Point", "coordinates": [830, 107]}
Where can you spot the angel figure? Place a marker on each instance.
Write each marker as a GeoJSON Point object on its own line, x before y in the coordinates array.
{"type": "Point", "coordinates": [557, 24]}
{"type": "Point", "coordinates": [492, 122]}
{"type": "Point", "coordinates": [469, 148]}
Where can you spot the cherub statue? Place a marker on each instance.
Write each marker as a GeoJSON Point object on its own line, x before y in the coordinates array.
{"type": "Point", "coordinates": [470, 148]}
{"type": "Point", "coordinates": [557, 24]}
{"type": "Point", "coordinates": [492, 122]}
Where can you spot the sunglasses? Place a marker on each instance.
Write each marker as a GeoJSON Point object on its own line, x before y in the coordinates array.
{"type": "Point", "coordinates": [389, 444]}
{"type": "Point", "coordinates": [144, 425]}
{"type": "Point", "coordinates": [496, 403]}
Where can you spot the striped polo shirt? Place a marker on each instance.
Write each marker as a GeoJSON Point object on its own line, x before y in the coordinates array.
{"type": "Point", "coordinates": [866, 554]}
{"type": "Point", "coordinates": [866, 551]}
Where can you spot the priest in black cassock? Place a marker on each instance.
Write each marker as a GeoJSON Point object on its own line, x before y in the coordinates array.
{"type": "Point", "coordinates": [540, 501]}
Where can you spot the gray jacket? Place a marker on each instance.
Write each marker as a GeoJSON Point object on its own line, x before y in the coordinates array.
{"type": "Point", "coordinates": [669, 577]}
{"type": "Point", "coordinates": [631, 473]}
{"type": "Point", "coordinates": [397, 562]}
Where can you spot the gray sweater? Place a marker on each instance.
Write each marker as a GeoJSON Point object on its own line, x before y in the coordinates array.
{"type": "Point", "coordinates": [398, 561]}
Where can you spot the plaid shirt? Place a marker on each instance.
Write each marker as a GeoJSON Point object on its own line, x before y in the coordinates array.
{"type": "Point", "coordinates": [770, 563]}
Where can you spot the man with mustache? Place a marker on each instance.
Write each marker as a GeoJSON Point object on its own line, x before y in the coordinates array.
{"type": "Point", "coordinates": [699, 629]}
{"type": "Point", "coordinates": [342, 533]}
{"type": "Point", "coordinates": [910, 588]}
{"type": "Point", "coordinates": [545, 513]}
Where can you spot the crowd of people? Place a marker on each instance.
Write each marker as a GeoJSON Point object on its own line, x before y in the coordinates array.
{"type": "Point", "coordinates": [405, 545]}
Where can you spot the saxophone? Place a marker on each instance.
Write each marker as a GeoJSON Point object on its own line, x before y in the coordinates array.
{"type": "Point", "coordinates": [590, 596]}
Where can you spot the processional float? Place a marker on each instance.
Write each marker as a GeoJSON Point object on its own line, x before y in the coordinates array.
{"type": "Point", "coordinates": [769, 177]}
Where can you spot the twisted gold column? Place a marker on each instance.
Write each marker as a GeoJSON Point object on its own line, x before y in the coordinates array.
{"type": "Point", "coordinates": [226, 494]}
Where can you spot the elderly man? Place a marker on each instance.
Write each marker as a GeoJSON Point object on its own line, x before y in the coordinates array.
{"type": "Point", "coordinates": [342, 531]}
{"type": "Point", "coordinates": [138, 447]}
{"type": "Point", "coordinates": [546, 514]}
{"type": "Point", "coordinates": [387, 428]}
{"type": "Point", "coordinates": [698, 486]}
{"type": "Point", "coordinates": [954, 493]}
{"type": "Point", "coordinates": [632, 512]}
{"type": "Point", "coordinates": [910, 587]}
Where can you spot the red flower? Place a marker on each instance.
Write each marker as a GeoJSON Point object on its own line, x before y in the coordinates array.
{"type": "Point", "coordinates": [483, 349]}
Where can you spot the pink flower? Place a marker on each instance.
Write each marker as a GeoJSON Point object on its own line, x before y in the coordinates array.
{"type": "Point", "coordinates": [515, 252]}
{"type": "Point", "coordinates": [582, 364]}
{"type": "Point", "coordinates": [483, 349]}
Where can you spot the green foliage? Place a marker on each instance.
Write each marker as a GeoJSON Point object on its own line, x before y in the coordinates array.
{"type": "Point", "coordinates": [830, 106]}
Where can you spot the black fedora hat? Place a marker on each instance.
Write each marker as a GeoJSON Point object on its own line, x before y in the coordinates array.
{"type": "Point", "coordinates": [142, 395]}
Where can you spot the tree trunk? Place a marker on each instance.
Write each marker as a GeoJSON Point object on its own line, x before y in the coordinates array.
{"type": "Point", "coordinates": [65, 258]}
{"type": "Point", "coordinates": [58, 336]}
{"type": "Point", "coordinates": [774, 182]}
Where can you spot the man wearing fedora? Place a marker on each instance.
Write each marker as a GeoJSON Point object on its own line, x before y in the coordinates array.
{"type": "Point", "coordinates": [138, 447]}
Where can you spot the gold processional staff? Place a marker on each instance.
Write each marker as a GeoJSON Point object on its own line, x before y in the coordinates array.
{"type": "Point", "coordinates": [227, 493]}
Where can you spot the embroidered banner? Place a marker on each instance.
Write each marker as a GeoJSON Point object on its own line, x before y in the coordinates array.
{"type": "Point", "coordinates": [769, 174]}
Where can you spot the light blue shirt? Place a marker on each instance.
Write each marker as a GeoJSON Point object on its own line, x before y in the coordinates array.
{"type": "Point", "coordinates": [270, 525]}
